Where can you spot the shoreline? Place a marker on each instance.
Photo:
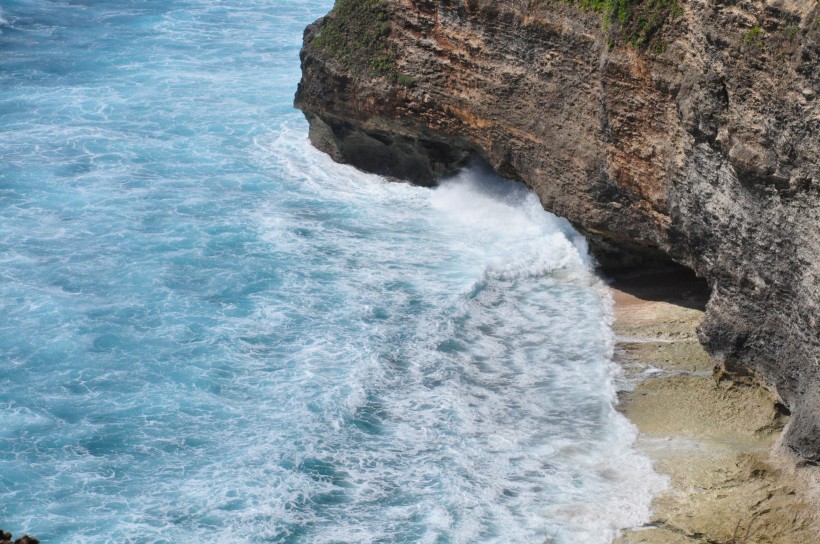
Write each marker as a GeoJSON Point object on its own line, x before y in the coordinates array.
{"type": "Point", "coordinates": [715, 440]}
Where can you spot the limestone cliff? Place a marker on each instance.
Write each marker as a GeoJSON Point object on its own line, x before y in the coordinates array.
{"type": "Point", "coordinates": [689, 130]}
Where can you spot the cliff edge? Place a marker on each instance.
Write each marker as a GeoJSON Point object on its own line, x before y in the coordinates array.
{"type": "Point", "coordinates": [661, 129]}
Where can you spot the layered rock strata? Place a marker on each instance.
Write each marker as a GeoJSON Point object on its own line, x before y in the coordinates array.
{"type": "Point", "coordinates": [693, 137]}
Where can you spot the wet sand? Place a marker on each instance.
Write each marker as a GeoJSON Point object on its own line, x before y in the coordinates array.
{"type": "Point", "coordinates": [714, 438]}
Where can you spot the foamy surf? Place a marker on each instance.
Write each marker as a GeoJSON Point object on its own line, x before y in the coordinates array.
{"type": "Point", "coordinates": [213, 332]}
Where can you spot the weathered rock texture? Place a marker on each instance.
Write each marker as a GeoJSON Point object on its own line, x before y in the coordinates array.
{"type": "Point", "coordinates": [702, 144]}
{"type": "Point", "coordinates": [712, 439]}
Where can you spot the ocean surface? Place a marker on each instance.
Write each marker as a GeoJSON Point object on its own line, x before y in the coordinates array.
{"type": "Point", "coordinates": [210, 332]}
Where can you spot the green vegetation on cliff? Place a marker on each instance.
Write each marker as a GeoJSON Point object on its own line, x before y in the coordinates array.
{"type": "Point", "coordinates": [636, 21]}
{"type": "Point", "coordinates": [354, 34]}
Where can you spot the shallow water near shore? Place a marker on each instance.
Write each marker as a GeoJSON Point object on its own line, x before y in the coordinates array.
{"type": "Point", "coordinates": [212, 332]}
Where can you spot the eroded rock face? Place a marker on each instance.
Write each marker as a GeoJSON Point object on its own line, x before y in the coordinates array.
{"type": "Point", "coordinates": [702, 144]}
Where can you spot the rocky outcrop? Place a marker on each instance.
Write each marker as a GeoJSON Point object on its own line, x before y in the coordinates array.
{"type": "Point", "coordinates": [6, 538]}
{"type": "Point", "coordinates": [686, 131]}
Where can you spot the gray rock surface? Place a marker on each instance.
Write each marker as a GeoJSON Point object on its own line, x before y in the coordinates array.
{"type": "Point", "coordinates": [701, 144]}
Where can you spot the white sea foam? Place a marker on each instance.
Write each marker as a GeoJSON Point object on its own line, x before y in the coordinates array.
{"type": "Point", "coordinates": [501, 359]}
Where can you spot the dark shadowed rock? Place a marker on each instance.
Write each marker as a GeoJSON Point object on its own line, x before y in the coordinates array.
{"type": "Point", "coordinates": [6, 538]}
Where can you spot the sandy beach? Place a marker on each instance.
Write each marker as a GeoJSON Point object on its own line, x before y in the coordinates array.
{"type": "Point", "coordinates": [714, 438]}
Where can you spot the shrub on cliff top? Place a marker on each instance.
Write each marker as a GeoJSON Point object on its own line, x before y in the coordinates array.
{"type": "Point", "coordinates": [355, 35]}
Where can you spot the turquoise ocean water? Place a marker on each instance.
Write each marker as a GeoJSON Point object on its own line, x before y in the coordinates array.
{"type": "Point", "coordinates": [209, 332]}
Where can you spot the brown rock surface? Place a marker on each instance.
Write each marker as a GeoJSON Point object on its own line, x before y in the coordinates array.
{"type": "Point", "coordinates": [702, 145]}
